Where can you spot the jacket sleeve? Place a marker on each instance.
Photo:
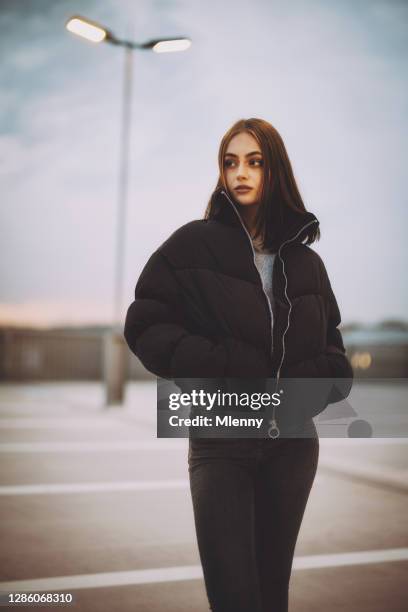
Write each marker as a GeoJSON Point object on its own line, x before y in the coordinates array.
{"type": "Point", "coordinates": [156, 331]}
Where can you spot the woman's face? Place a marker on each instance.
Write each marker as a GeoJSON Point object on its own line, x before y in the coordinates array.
{"type": "Point", "coordinates": [243, 167]}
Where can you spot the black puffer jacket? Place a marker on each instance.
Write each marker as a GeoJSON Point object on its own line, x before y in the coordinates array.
{"type": "Point", "coordinates": [200, 310]}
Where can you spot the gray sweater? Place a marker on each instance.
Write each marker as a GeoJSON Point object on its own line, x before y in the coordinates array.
{"type": "Point", "coordinates": [264, 262]}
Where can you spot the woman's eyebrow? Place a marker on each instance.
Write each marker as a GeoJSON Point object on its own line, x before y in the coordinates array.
{"type": "Point", "coordinates": [247, 155]}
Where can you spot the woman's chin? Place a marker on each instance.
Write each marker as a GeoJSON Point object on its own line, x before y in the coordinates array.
{"type": "Point", "coordinates": [245, 201]}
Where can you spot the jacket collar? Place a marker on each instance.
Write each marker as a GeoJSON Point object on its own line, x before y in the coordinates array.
{"type": "Point", "coordinates": [297, 222]}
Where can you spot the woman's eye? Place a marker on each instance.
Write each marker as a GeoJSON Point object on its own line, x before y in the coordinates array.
{"type": "Point", "coordinates": [229, 162]}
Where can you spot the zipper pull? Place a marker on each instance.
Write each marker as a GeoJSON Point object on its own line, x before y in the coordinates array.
{"type": "Point", "coordinates": [273, 431]}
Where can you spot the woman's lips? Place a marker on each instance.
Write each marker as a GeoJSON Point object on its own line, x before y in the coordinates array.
{"type": "Point", "coordinates": [243, 189]}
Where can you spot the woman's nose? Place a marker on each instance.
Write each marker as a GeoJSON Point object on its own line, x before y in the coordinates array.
{"type": "Point", "coordinates": [241, 170]}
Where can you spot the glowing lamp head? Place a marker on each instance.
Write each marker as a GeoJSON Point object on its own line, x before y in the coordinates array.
{"type": "Point", "coordinates": [169, 46]}
{"type": "Point", "coordinates": [86, 29]}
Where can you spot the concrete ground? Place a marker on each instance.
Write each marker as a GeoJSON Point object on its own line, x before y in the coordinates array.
{"type": "Point", "coordinates": [94, 505]}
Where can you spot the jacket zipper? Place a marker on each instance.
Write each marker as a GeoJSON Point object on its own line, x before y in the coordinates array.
{"type": "Point", "coordinates": [286, 291]}
{"type": "Point", "coordinates": [274, 431]}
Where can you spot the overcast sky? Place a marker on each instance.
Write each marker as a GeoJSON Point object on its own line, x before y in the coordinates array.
{"type": "Point", "coordinates": [330, 76]}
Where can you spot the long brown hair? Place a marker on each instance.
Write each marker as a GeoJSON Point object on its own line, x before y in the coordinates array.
{"type": "Point", "coordinates": [279, 193]}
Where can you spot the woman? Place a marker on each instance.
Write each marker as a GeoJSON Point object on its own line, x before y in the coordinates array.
{"type": "Point", "coordinates": [240, 294]}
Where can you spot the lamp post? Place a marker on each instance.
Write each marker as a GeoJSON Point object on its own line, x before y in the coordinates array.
{"type": "Point", "coordinates": [114, 357]}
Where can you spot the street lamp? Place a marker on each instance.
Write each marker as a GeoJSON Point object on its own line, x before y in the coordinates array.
{"type": "Point", "coordinates": [96, 33]}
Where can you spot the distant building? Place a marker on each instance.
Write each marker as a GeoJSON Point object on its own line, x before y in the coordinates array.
{"type": "Point", "coordinates": [77, 353]}
{"type": "Point", "coordinates": [379, 351]}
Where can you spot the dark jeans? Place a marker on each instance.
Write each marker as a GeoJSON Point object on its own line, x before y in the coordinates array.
{"type": "Point", "coordinates": [249, 497]}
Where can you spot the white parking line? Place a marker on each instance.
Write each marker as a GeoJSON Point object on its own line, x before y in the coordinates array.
{"type": "Point", "coordinates": [192, 572]}
{"type": "Point", "coordinates": [97, 487]}
{"type": "Point", "coordinates": [94, 487]}
{"type": "Point", "coordinates": [156, 444]}
{"type": "Point", "coordinates": [389, 478]}
{"type": "Point", "coordinates": [351, 558]}
{"type": "Point", "coordinates": [99, 422]}
{"type": "Point", "coordinates": [350, 442]}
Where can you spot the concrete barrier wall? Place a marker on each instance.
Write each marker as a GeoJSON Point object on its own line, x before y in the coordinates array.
{"type": "Point", "coordinates": [32, 354]}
